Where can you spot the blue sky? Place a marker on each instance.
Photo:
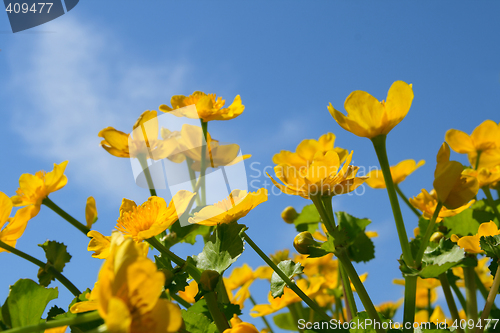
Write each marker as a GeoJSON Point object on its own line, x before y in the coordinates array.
{"type": "Point", "coordinates": [105, 62]}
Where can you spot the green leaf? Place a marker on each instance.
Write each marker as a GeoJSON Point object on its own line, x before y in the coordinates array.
{"type": "Point", "coordinates": [285, 321]}
{"type": "Point", "coordinates": [185, 234]}
{"type": "Point", "coordinates": [308, 219]}
{"type": "Point", "coordinates": [222, 249]}
{"type": "Point", "coordinates": [26, 302]}
{"type": "Point", "coordinates": [197, 322]}
{"type": "Point", "coordinates": [468, 221]}
{"type": "Point", "coordinates": [54, 311]}
{"type": "Point", "coordinates": [57, 257]}
{"type": "Point", "coordinates": [362, 318]}
{"type": "Point", "coordinates": [360, 247]}
{"type": "Point", "coordinates": [290, 269]}
{"type": "Point", "coordinates": [441, 258]}
{"type": "Point", "coordinates": [178, 277]}
{"type": "Point", "coordinates": [491, 245]}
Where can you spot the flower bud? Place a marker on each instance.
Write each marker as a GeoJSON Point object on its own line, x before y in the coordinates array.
{"type": "Point", "coordinates": [436, 237]}
{"type": "Point", "coordinates": [303, 241]}
{"type": "Point", "coordinates": [209, 280]}
{"type": "Point", "coordinates": [289, 214]}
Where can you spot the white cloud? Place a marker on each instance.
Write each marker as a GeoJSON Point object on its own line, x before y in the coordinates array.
{"type": "Point", "coordinates": [75, 82]}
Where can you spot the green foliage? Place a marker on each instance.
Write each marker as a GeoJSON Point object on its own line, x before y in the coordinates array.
{"type": "Point", "coordinates": [57, 257]}
{"type": "Point", "coordinates": [491, 245]}
{"type": "Point", "coordinates": [184, 234]}
{"type": "Point", "coordinates": [439, 259]}
{"type": "Point", "coordinates": [176, 278]}
{"type": "Point", "coordinates": [362, 318]}
{"type": "Point", "coordinates": [290, 269]}
{"type": "Point", "coordinates": [198, 318]}
{"type": "Point", "coordinates": [54, 312]}
{"type": "Point", "coordinates": [224, 246]}
{"type": "Point", "coordinates": [360, 247]}
{"type": "Point", "coordinates": [468, 221]}
{"type": "Point", "coordinates": [285, 321]}
{"type": "Point", "coordinates": [308, 219]}
{"type": "Point", "coordinates": [26, 303]}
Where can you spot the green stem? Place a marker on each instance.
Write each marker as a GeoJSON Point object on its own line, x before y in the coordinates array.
{"type": "Point", "coordinates": [193, 271]}
{"type": "Point", "coordinates": [61, 278]}
{"type": "Point", "coordinates": [295, 315]}
{"type": "Point", "coordinates": [452, 306]}
{"type": "Point", "coordinates": [203, 168]}
{"type": "Point", "coordinates": [192, 177]}
{"type": "Point", "coordinates": [381, 151]}
{"type": "Point", "coordinates": [470, 294]}
{"type": "Point", "coordinates": [144, 165]}
{"type": "Point", "coordinates": [339, 309]}
{"type": "Point", "coordinates": [482, 288]}
{"type": "Point", "coordinates": [405, 199]}
{"type": "Point", "coordinates": [490, 301]}
{"type": "Point", "coordinates": [350, 303]}
{"type": "Point", "coordinates": [180, 300]}
{"type": "Point", "coordinates": [318, 203]}
{"type": "Point", "coordinates": [287, 280]}
{"type": "Point", "coordinates": [491, 202]}
{"type": "Point", "coordinates": [222, 292]}
{"type": "Point", "coordinates": [80, 319]}
{"type": "Point", "coordinates": [458, 293]}
{"type": "Point", "coordinates": [428, 233]}
{"type": "Point", "coordinates": [263, 317]}
{"type": "Point", "coordinates": [218, 317]}
{"type": "Point", "coordinates": [477, 160]}
{"type": "Point", "coordinates": [360, 288]}
{"type": "Point", "coordinates": [49, 203]}
{"type": "Point", "coordinates": [410, 302]}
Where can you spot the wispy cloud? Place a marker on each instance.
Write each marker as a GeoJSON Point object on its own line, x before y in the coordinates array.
{"type": "Point", "coordinates": [77, 81]}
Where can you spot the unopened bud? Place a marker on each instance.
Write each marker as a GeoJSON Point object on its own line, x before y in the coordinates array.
{"type": "Point", "coordinates": [209, 280]}
{"type": "Point", "coordinates": [289, 214]}
{"type": "Point", "coordinates": [436, 237]}
{"type": "Point", "coordinates": [303, 241]}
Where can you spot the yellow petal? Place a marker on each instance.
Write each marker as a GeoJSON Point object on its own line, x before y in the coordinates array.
{"type": "Point", "coordinates": [99, 244]}
{"type": "Point", "coordinates": [470, 244]}
{"type": "Point", "coordinates": [127, 206]}
{"type": "Point", "coordinates": [459, 141]}
{"type": "Point", "coordinates": [486, 135]}
{"type": "Point", "coordinates": [487, 229]}
{"type": "Point", "coordinates": [118, 319]}
{"type": "Point", "coordinates": [399, 99]}
{"type": "Point", "coordinates": [90, 212]}
{"type": "Point", "coordinates": [167, 317]}
{"type": "Point", "coordinates": [5, 208]}
{"type": "Point", "coordinates": [115, 139]}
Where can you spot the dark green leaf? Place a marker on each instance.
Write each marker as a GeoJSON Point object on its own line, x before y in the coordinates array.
{"type": "Point", "coordinates": [54, 311]}
{"type": "Point", "coordinates": [491, 245]}
{"type": "Point", "coordinates": [27, 301]}
{"type": "Point", "coordinates": [285, 321]}
{"type": "Point", "coordinates": [222, 249]}
{"type": "Point", "coordinates": [308, 219]}
{"type": "Point", "coordinates": [468, 221]}
{"type": "Point", "coordinates": [185, 234]}
{"type": "Point", "coordinates": [290, 269]}
{"type": "Point", "coordinates": [439, 259]}
{"type": "Point", "coordinates": [57, 257]}
{"type": "Point", "coordinates": [197, 322]}
{"type": "Point", "coordinates": [360, 248]}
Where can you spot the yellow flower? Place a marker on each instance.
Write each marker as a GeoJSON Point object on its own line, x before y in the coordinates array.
{"type": "Point", "coordinates": [34, 188]}
{"type": "Point", "coordinates": [128, 291]}
{"type": "Point", "coordinates": [237, 205]}
{"type": "Point", "coordinates": [388, 309]}
{"type": "Point", "coordinates": [399, 173]}
{"type": "Point", "coordinates": [485, 176]}
{"type": "Point", "coordinates": [189, 144]}
{"type": "Point", "coordinates": [143, 142]}
{"type": "Point", "coordinates": [471, 243]}
{"type": "Point", "coordinates": [485, 139]}
{"type": "Point", "coordinates": [61, 329]}
{"type": "Point", "coordinates": [367, 117]}
{"type": "Point", "coordinates": [208, 107]}
{"type": "Point", "coordinates": [90, 212]}
{"type": "Point", "coordinates": [99, 244]}
{"type": "Point", "coordinates": [239, 326]}
{"type": "Point", "coordinates": [11, 228]}
{"type": "Point", "coordinates": [453, 187]}
{"type": "Point", "coordinates": [438, 316]}
{"type": "Point", "coordinates": [482, 271]}
{"type": "Point", "coordinates": [152, 217]}
{"type": "Point", "coordinates": [323, 176]}
{"type": "Point", "coordinates": [190, 291]}
{"type": "Point", "coordinates": [307, 149]}
{"type": "Point", "coordinates": [239, 276]}
{"type": "Point", "coordinates": [427, 203]}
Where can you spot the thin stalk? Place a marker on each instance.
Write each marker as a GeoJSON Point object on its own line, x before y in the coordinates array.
{"type": "Point", "coordinates": [287, 280]}
{"type": "Point", "coordinates": [407, 202]}
{"type": "Point", "coordinates": [482, 289]}
{"type": "Point", "coordinates": [477, 160]}
{"type": "Point", "coordinates": [339, 309]}
{"type": "Point", "coordinates": [263, 317]}
{"type": "Point", "coordinates": [410, 302]}
{"type": "Point", "coordinates": [490, 301]}
{"type": "Point", "coordinates": [193, 271]}
{"type": "Point", "coordinates": [318, 203]}
{"type": "Point", "coordinates": [459, 295]}
{"type": "Point", "coordinates": [144, 165]}
{"type": "Point", "coordinates": [203, 168]}
{"type": "Point", "coordinates": [428, 234]}
{"type": "Point", "coordinates": [58, 210]}
{"type": "Point", "coordinates": [381, 151]}
{"type": "Point", "coordinates": [61, 278]}
{"type": "Point", "coordinates": [491, 202]}
{"type": "Point", "coordinates": [295, 316]}
{"type": "Point", "coordinates": [452, 306]}
{"type": "Point", "coordinates": [180, 300]}
{"type": "Point", "coordinates": [470, 294]}
{"type": "Point", "coordinates": [222, 292]}
{"type": "Point", "coordinates": [192, 177]}
{"type": "Point", "coordinates": [360, 288]}
{"type": "Point", "coordinates": [80, 319]}
{"type": "Point", "coordinates": [429, 302]}
{"type": "Point", "coordinates": [350, 303]}
{"type": "Point", "coordinates": [218, 317]}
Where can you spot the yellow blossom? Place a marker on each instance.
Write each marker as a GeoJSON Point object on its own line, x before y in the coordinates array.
{"type": "Point", "coordinates": [208, 107]}
{"type": "Point", "coordinates": [323, 176]}
{"type": "Point", "coordinates": [34, 188]}
{"type": "Point", "coordinates": [190, 291]}
{"type": "Point", "coordinates": [471, 243]}
{"type": "Point", "coordinates": [367, 117]}
{"type": "Point", "coordinates": [388, 309]}
{"type": "Point", "coordinates": [237, 205]}
{"type": "Point", "coordinates": [152, 217]}
{"type": "Point", "coordinates": [399, 173]}
{"type": "Point", "coordinates": [242, 327]}
{"type": "Point", "coordinates": [11, 228]}
{"type": "Point", "coordinates": [99, 244]}
{"type": "Point", "coordinates": [427, 203]}
{"type": "Point", "coordinates": [454, 188]}
{"type": "Point", "coordinates": [482, 271]}
{"type": "Point", "coordinates": [438, 316]}
{"type": "Point", "coordinates": [90, 212]}
{"type": "Point", "coordinates": [485, 176]}
{"type": "Point", "coordinates": [142, 142]}
{"type": "Point", "coordinates": [485, 139]}
{"type": "Point", "coordinates": [189, 144]}
{"type": "Point", "coordinates": [128, 291]}
{"type": "Point", "coordinates": [307, 149]}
